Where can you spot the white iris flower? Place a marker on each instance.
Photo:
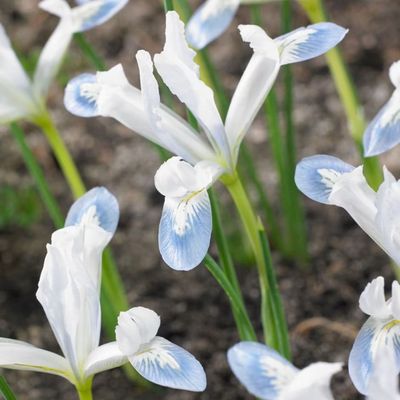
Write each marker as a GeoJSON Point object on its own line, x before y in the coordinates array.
{"type": "Point", "coordinates": [69, 292]}
{"type": "Point", "coordinates": [21, 97]}
{"type": "Point", "coordinates": [185, 228]}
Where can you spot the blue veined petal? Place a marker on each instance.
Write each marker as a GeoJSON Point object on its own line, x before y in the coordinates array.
{"type": "Point", "coordinates": [375, 336]}
{"type": "Point", "coordinates": [98, 205]}
{"type": "Point", "coordinates": [167, 364]}
{"type": "Point", "coordinates": [383, 133]}
{"type": "Point", "coordinates": [210, 21]}
{"type": "Point", "coordinates": [80, 96]}
{"type": "Point", "coordinates": [309, 42]}
{"type": "Point", "coordinates": [93, 13]}
{"type": "Point", "coordinates": [316, 175]}
{"type": "Point", "coordinates": [185, 231]}
{"type": "Point", "coordinates": [260, 369]}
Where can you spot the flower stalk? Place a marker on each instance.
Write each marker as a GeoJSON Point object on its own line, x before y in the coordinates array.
{"type": "Point", "coordinates": [316, 12]}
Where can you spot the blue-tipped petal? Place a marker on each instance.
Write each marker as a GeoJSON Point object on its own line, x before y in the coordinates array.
{"type": "Point", "coordinates": [167, 364]}
{"type": "Point", "coordinates": [80, 96]}
{"type": "Point", "coordinates": [210, 21]}
{"type": "Point", "coordinates": [99, 205]}
{"type": "Point", "coordinates": [96, 12]}
{"type": "Point", "coordinates": [260, 369]}
{"type": "Point", "coordinates": [374, 337]}
{"type": "Point", "coordinates": [309, 42]}
{"type": "Point", "coordinates": [316, 175]}
{"type": "Point", "coordinates": [383, 133]}
{"type": "Point", "coordinates": [185, 231]}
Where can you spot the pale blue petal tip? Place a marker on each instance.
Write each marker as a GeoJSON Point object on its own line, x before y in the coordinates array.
{"type": "Point", "coordinates": [106, 10]}
{"type": "Point", "coordinates": [248, 362]}
{"type": "Point", "coordinates": [186, 250]}
{"type": "Point", "coordinates": [360, 360]}
{"type": "Point", "coordinates": [383, 133]}
{"type": "Point", "coordinates": [200, 30]}
{"type": "Point", "coordinates": [326, 35]}
{"type": "Point", "coordinates": [77, 103]}
{"type": "Point", "coordinates": [315, 176]}
{"type": "Point", "coordinates": [184, 373]}
{"type": "Point", "coordinates": [106, 209]}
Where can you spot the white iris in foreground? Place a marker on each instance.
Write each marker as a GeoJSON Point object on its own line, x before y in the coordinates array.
{"type": "Point", "coordinates": [69, 292]}
{"type": "Point", "coordinates": [185, 227]}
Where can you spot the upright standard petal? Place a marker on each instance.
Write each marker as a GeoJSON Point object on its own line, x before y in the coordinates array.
{"type": "Point", "coordinates": [98, 206]}
{"type": "Point", "coordinates": [253, 87]}
{"type": "Point", "coordinates": [262, 371]}
{"type": "Point", "coordinates": [15, 354]}
{"type": "Point", "coordinates": [167, 364]}
{"type": "Point", "coordinates": [209, 21]}
{"type": "Point", "coordinates": [180, 73]}
{"type": "Point", "coordinates": [186, 221]}
{"type": "Point", "coordinates": [308, 42]}
{"type": "Point", "coordinates": [16, 97]}
{"type": "Point", "coordinates": [372, 299]}
{"type": "Point", "coordinates": [379, 335]}
{"type": "Point", "coordinates": [316, 176]}
{"type": "Point", "coordinates": [69, 290]}
{"type": "Point", "coordinates": [111, 95]}
{"type": "Point", "coordinates": [383, 132]}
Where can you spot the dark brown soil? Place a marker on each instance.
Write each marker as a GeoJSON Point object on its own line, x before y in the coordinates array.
{"type": "Point", "coordinates": [321, 302]}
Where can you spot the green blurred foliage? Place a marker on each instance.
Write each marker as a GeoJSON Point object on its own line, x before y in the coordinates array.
{"type": "Point", "coordinates": [19, 206]}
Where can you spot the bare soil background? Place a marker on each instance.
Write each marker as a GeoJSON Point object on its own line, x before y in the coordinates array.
{"type": "Point", "coordinates": [321, 302]}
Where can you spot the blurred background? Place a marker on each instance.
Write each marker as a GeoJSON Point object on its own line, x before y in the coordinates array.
{"type": "Point", "coordinates": [321, 302]}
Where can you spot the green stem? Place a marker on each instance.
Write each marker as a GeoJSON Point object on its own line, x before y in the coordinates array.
{"type": "Point", "coordinates": [85, 391]}
{"type": "Point", "coordinates": [89, 52]}
{"type": "Point", "coordinates": [62, 155]}
{"type": "Point", "coordinates": [348, 95]}
{"type": "Point", "coordinates": [246, 330]}
{"type": "Point", "coordinates": [274, 334]}
{"type": "Point", "coordinates": [5, 390]}
{"type": "Point", "coordinates": [169, 5]}
{"type": "Point", "coordinates": [284, 158]}
{"type": "Point", "coordinates": [38, 176]}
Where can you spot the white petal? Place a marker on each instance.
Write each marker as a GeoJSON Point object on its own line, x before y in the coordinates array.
{"type": "Point", "coordinates": [98, 206]}
{"type": "Point", "coordinates": [60, 8]}
{"type": "Point", "coordinates": [145, 320]}
{"type": "Point", "coordinates": [353, 193]}
{"type": "Point", "coordinates": [312, 382]}
{"type": "Point", "coordinates": [260, 369]}
{"type": "Point", "coordinates": [111, 95]}
{"type": "Point", "coordinates": [209, 21]}
{"type": "Point", "coordinates": [105, 357]}
{"type": "Point", "coordinates": [69, 290]}
{"type": "Point", "coordinates": [253, 87]}
{"type": "Point", "coordinates": [387, 218]}
{"type": "Point", "coordinates": [384, 382]}
{"type": "Point", "coordinates": [395, 302]}
{"type": "Point", "coordinates": [394, 74]}
{"type": "Point", "coordinates": [15, 354]}
{"type": "Point", "coordinates": [372, 300]}
{"type": "Point", "coordinates": [309, 42]}
{"type": "Point", "coordinates": [383, 132]}
{"type": "Point", "coordinates": [95, 12]}
{"type": "Point", "coordinates": [185, 231]}
{"type": "Point", "coordinates": [52, 56]}
{"type": "Point", "coordinates": [376, 336]}
{"type": "Point", "coordinates": [180, 73]}
{"type": "Point", "coordinates": [186, 222]}
{"type": "Point", "coordinates": [167, 364]}
{"type": "Point", "coordinates": [317, 175]}
{"type": "Point", "coordinates": [16, 96]}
